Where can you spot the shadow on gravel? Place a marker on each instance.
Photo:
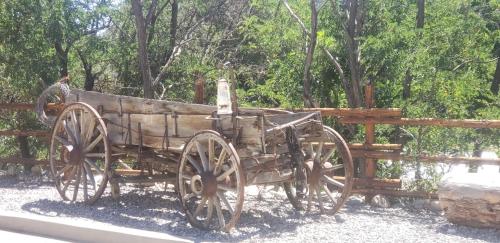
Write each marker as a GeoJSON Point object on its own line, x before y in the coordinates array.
{"type": "Point", "coordinates": [28, 182]}
{"type": "Point", "coordinates": [160, 211]}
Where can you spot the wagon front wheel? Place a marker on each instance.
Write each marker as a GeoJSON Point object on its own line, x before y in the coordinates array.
{"type": "Point", "coordinates": [79, 154]}
{"type": "Point", "coordinates": [329, 172]}
{"type": "Point", "coordinates": [210, 182]}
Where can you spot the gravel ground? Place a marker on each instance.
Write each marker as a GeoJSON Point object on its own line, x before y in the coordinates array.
{"type": "Point", "coordinates": [268, 217]}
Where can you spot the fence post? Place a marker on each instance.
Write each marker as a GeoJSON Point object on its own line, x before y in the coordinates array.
{"type": "Point", "coordinates": [370, 163]}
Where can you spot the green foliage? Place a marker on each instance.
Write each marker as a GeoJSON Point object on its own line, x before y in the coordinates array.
{"type": "Point", "coordinates": [450, 62]}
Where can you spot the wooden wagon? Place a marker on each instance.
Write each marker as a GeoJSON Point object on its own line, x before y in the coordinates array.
{"type": "Point", "coordinates": [208, 153]}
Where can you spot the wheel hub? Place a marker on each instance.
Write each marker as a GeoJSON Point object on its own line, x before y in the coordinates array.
{"type": "Point", "coordinates": [204, 184]}
{"type": "Point", "coordinates": [76, 155]}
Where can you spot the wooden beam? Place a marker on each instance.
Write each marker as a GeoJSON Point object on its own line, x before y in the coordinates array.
{"type": "Point", "coordinates": [16, 106]}
{"type": "Point", "coordinates": [430, 159]}
{"type": "Point", "coordinates": [355, 112]}
{"type": "Point", "coordinates": [467, 123]}
{"type": "Point", "coordinates": [375, 146]}
{"type": "Point", "coordinates": [397, 193]}
{"type": "Point", "coordinates": [18, 160]}
{"type": "Point", "coordinates": [373, 182]}
{"type": "Point", "coordinates": [34, 133]}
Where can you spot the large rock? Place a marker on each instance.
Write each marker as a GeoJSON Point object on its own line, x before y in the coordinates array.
{"type": "Point", "coordinates": [472, 199]}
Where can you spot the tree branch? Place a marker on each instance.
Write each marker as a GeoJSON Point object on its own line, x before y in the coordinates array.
{"type": "Point", "coordinates": [297, 18]}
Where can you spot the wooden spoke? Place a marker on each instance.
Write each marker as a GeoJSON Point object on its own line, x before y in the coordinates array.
{"type": "Point", "coordinates": [70, 178]}
{"type": "Point", "coordinates": [64, 142]}
{"type": "Point", "coordinates": [189, 196]}
{"type": "Point", "coordinates": [320, 202]}
{"type": "Point", "coordinates": [328, 193]}
{"type": "Point", "coordinates": [83, 122]}
{"type": "Point", "coordinates": [77, 182]}
{"type": "Point", "coordinates": [220, 161]}
{"type": "Point", "coordinates": [309, 199]}
{"type": "Point", "coordinates": [65, 169]}
{"type": "Point", "coordinates": [84, 182]}
{"type": "Point", "coordinates": [226, 174]}
{"type": "Point", "coordinates": [76, 126]}
{"type": "Point", "coordinates": [93, 164]}
{"type": "Point", "coordinates": [220, 215]}
{"type": "Point", "coordinates": [319, 152]}
{"type": "Point", "coordinates": [332, 181]}
{"type": "Point", "coordinates": [211, 154]}
{"type": "Point", "coordinates": [333, 168]}
{"type": "Point", "coordinates": [225, 201]}
{"type": "Point", "coordinates": [328, 155]}
{"type": "Point", "coordinates": [89, 131]}
{"type": "Point", "coordinates": [310, 150]}
{"type": "Point", "coordinates": [203, 155]}
{"type": "Point", "coordinates": [95, 155]}
{"type": "Point", "coordinates": [69, 131]}
{"type": "Point", "coordinates": [93, 143]}
{"type": "Point", "coordinates": [200, 206]}
{"type": "Point", "coordinates": [194, 163]}
{"type": "Point", "coordinates": [227, 188]}
{"type": "Point", "coordinates": [210, 211]}
{"type": "Point", "coordinates": [88, 170]}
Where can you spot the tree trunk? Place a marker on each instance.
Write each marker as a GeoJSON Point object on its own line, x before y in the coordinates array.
{"type": "Point", "coordinates": [308, 99]}
{"type": "Point", "coordinates": [24, 149]}
{"type": "Point", "coordinates": [407, 84]}
{"type": "Point", "coordinates": [142, 53]}
{"type": "Point", "coordinates": [87, 67]}
{"type": "Point", "coordinates": [420, 13]}
{"type": "Point", "coordinates": [353, 30]}
{"type": "Point", "coordinates": [495, 83]}
{"type": "Point", "coordinates": [62, 57]}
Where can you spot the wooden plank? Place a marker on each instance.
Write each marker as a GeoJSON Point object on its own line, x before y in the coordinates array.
{"type": "Point", "coordinates": [34, 133]}
{"type": "Point", "coordinates": [373, 182]}
{"type": "Point", "coordinates": [127, 104]}
{"type": "Point", "coordinates": [430, 159]}
{"type": "Point", "coordinates": [375, 146]}
{"type": "Point", "coordinates": [17, 106]}
{"type": "Point", "coordinates": [355, 112]}
{"type": "Point", "coordinates": [18, 160]}
{"type": "Point", "coordinates": [397, 193]}
{"type": "Point", "coordinates": [467, 123]}
{"type": "Point", "coordinates": [153, 129]}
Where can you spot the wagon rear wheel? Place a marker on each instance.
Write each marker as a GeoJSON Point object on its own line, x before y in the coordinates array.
{"type": "Point", "coordinates": [210, 182]}
{"type": "Point", "coordinates": [80, 154]}
{"type": "Point", "coordinates": [329, 172]}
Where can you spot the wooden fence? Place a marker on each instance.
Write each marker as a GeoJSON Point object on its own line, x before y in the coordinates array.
{"type": "Point", "coordinates": [369, 151]}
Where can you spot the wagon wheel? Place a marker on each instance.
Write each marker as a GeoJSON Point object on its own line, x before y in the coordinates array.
{"type": "Point", "coordinates": [329, 171]}
{"type": "Point", "coordinates": [210, 182]}
{"type": "Point", "coordinates": [80, 154]}
{"type": "Point", "coordinates": [51, 102]}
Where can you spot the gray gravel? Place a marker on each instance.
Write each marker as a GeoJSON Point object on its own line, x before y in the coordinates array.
{"type": "Point", "coordinates": [268, 217]}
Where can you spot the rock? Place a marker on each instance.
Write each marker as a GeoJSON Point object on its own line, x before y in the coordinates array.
{"type": "Point", "coordinates": [380, 201]}
{"type": "Point", "coordinates": [11, 169]}
{"type": "Point", "coordinates": [435, 206]}
{"type": "Point", "coordinates": [471, 199]}
{"type": "Point", "coordinates": [419, 203]}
